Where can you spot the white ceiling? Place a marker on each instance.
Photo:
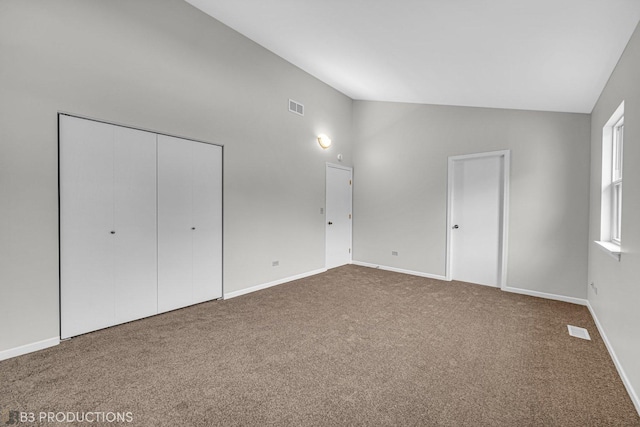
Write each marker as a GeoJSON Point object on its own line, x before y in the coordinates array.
{"type": "Point", "coordinates": [553, 55]}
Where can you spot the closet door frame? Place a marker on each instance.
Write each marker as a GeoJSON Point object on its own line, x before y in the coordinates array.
{"type": "Point", "coordinates": [60, 237]}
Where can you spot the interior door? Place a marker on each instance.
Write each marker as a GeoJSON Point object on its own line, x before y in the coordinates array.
{"type": "Point", "coordinates": [476, 219]}
{"type": "Point", "coordinates": [338, 215]}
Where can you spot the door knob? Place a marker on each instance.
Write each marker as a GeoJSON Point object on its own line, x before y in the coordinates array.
{"type": "Point", "coordinates": [193, 228]}
{"type": "Point", "coordinates": [113, 232]}
{"type": "Point", "coordinates": [330, 223]}
{"type": "Point", "coordinates": [455, 226]}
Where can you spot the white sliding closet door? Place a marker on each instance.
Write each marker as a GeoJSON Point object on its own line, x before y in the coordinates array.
{"type": "Point", "coordinates": [108, 242]}
{"type": "Point", "coordinates": [189, 222]}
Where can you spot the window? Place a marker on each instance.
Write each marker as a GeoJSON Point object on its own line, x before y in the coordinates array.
{"type": "Point", "coordinates": [616, 180]}
{"type": "Point", "coordinates": [611, 205]}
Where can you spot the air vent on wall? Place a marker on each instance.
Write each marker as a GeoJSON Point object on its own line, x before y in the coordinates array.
{"type": "Point", "coordinates": [296, 107]}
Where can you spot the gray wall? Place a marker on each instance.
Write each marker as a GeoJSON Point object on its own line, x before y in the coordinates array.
{"type": "Point", "coordinates": [167, 67]}
{"type": "Point", "coordinates": [400, 197]}
{"type": "Point", "coordinates": [618, 299]}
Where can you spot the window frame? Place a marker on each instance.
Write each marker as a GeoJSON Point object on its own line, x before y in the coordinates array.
{"type": "Point", "coordinates": [612, 190]}
{"type": "Point", "coordinates": [617, 150]}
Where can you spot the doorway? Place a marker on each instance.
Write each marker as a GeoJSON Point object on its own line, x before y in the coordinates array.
{"type": "Point", "coordinates": [477, 218]}
{"type": "Point", "coordinates": [338, 215]}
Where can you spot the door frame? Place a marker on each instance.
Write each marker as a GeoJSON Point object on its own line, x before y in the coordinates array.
{"type": "Point", "coordinates": [326, 189]}
{"type": "Point", "coordinates": [504, 228]}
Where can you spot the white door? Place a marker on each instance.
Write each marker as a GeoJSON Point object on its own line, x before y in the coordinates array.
{"type": "Point", "coordinates": [477, 215]}
{"type": "Point", "coordinates": [207, 221]}
{"type": "Point", "coordinates": [107, 224]}
{"type": "Point", "coordinates": [86, 222]}
{"type": "Point", "coordinates": [175, 223]}
{"type": "Point", "coordinates": [189, 222]}
{"type": "Point", "coordinates": [136, 257]}
{"type": "Point", "coordinates": [338, 216]}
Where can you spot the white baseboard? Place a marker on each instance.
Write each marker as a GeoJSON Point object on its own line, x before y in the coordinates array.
{"type": "Point", "coordinates": [399, 270]}
{"type": "Point", "coordinates": [625, 380]}
{"type": "Point", "coordinates": [274, 283]}
{"type": "Point", "coordinates": [572, 300]}
{"type": "Point", "coordinates": [563, 298]}
{"type": "Point", "coordinates": [29, 348]}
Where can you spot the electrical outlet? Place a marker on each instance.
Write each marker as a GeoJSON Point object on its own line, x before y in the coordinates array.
{"type": "Point", "coordinates": [321, 211]}
{"type": "Point", "coordinates": [595, 290]}
{"type": "Point", "coordinates": [394, 253]}
{"type": "Point", "coordinates": [275, 263]}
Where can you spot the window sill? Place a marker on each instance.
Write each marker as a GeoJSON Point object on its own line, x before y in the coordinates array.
{"type": "Point", "coordinates": [612, 249]}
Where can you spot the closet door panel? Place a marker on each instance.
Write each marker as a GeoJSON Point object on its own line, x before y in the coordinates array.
{"type": "Point", "coordinates": [86, 222]}
{"type": "Point", "coordinates": [135, 224]}
{"type": "Point", "coordinates": [207, 214]}
{"type": "Point", "coordinates": [175, 223]}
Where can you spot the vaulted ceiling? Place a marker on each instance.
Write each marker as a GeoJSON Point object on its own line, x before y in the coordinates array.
{"type": "Point", "coordinates": [551, 55]}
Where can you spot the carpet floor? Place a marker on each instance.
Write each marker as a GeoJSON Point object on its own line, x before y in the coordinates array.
{"type": "Point", "coordinates": [352, 346]}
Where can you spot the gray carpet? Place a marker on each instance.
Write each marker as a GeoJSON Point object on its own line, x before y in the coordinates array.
{"type": "Point", "coordinates": [353, 346]}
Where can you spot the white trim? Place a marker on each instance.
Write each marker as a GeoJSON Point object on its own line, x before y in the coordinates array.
{"type": "Point", "coordinates": [506, 171]}
{"type": "Point", "coordinates": [506, 168]}
{"type": "Point", "coordinates": [606, 196]}
{"type": "Point", "coordinates": [610, 248]}
{"type": "Point", "coordinates": [528, 292]}
{"type": "Point", "coordinates": [538, 294]}
{"type": "Point", "coordinates": [399, 270]}
{"type": "Point", "coordinates": [350, 170]}
{"type": "Point", "coordinates": [623, 376]}
{"type": "Point", "coordinates": [496, 153]}
{"type": "Point", "coordinates": [274, 283]}
{"type": "Point", "coordinates": [29, 348]}
{"type": "Point", "coordinates": [343, 167]}
{"type": "Point", "coordinates": [123, 125]}
{"type": "Point", "coordinates": [572, 300]}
